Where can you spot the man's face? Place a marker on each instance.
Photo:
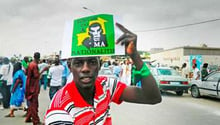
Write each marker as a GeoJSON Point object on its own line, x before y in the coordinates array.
{"type": "Point", "coordinates": [85, 70]}
{"type": "Point", "coordinates": [95, 32]}
{"type": "Point", "coordinates": [37, 57]}
{"type": "Point", "coordinates": [38, 60]}
{"type": "Point", "coordinates": [26, 59]}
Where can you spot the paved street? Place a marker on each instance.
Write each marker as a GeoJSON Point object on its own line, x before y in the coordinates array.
{"type": "Point", "coordinates": [18, 119]}
{"type": "Point", "coordinates": [173, 110]}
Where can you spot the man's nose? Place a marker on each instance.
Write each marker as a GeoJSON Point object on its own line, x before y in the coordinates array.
{"type": "Point", "coordinates": [85, 67]}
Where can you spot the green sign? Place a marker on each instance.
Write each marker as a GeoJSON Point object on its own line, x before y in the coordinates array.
{"type": "Point", "coordinates": [93, 35]}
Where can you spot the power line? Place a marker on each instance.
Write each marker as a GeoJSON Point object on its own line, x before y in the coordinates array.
{"type": "Point", "coordinates": [179, 26]}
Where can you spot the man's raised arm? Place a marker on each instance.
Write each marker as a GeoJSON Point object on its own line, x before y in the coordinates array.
{"type": "Point", "coordinates": [149, 92]}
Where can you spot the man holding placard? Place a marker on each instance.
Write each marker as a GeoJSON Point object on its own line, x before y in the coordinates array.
{"type": "Point", "coordinates": [86, 100]}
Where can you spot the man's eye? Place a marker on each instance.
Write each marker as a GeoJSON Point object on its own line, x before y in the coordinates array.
{"type": "Point", "coordinates": [93, 62]}
{"type": "Point", "coordinates": [78, 63]}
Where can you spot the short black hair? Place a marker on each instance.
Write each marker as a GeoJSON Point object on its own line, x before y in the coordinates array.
{"type": "Point", "coordinates": [205, 65]}
{"type": "Point", "coordinates": [17, 67]}
{"type": "Point", "coordinates": [26, 58]}
{"type": "Point", "coordinates": [37, 55]}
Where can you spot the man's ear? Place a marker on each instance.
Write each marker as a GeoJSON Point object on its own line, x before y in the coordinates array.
{"type": "Point", "coordinates": [99, 63]}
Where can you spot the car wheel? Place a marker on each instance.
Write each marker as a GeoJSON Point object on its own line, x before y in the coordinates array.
{"type": "Point", "coordinates": [179, 93]}
{"type": "Point", "coordinates": [195, 92]}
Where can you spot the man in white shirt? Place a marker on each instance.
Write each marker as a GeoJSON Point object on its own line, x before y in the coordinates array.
{"type": "Point", "coordinates": [6, 73]}
{"type": "Point", "coordinates": [43, 79]}
{"type": "Point", "coordinates": [196, 72]}
{"type": "Point", "coordinates": [185, 71]}
{"type": "Point", "coordinates": [55, 77]}
{"type": "Point", "coordinates": [126, 72]}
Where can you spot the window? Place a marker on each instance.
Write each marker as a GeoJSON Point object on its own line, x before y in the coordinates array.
{"type": "Point", "coordinates": [214, 77]}
{"type": "Point", "coordinates": [167, 72]}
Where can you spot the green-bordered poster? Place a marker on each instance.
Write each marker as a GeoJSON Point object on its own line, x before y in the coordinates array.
{"type": "Point", "coordinates": [92, 36]}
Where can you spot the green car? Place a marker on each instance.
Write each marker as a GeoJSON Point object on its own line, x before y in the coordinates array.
{"type": "Point", "coordinates": [169, 79]}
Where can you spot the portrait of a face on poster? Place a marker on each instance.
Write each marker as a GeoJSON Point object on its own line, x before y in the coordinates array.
{"type": "Point", "coordinates": [91, 36]}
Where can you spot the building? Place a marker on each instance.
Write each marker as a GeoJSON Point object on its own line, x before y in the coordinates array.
{"type": "Point", "coordinates": [188, 54]}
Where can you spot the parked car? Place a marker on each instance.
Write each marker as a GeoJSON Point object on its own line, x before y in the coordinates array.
{"type": "Point", "coordinates": [169, 79]}
{"type": "Point", "coordinates": [209, 86]}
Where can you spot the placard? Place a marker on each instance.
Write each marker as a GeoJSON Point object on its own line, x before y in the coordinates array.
{"type": "Point", "coordinates": [91, 36]}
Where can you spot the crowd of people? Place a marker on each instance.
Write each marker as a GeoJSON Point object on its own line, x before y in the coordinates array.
{"type": "Point", "coordinates": [78, 95]}
{"type": "Point", "coordinates": [21, 80]}
{"type": "Point", "coordinates": [120, 68]}
{"type": "Point", "coordinates": [52, 73]}
{"type": "Point", "coordinates": [197, 73]}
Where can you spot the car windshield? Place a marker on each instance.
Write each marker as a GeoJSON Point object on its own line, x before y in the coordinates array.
{"type": "Point", "coordinates": [167, 72]}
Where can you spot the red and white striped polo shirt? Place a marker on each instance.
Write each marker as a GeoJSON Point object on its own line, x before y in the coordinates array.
{"type": "Point", "coordinates": [68, 106]}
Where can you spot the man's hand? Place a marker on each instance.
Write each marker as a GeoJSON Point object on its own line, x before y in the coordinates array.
{"type": "Point", "coordinates": [128, 39]}
{"type": "Point", "coordinates": [46, 68]}
{"type": "Point", "coordinates": [149, 92]}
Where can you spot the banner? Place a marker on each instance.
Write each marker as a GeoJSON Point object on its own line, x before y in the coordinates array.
{"type": "Point", "coordinates": [195, 59]}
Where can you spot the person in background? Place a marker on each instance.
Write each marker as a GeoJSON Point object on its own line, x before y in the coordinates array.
{"type": "Point", "coordinates": [6, 72]}
{"type": "Point", "coordinates": [43, 79]}
{"type": "Point", "coordinates": [1, 96]}
{"type": "Point", "coordinates": [126, 72]}
{"type": "Point", "coordinates": [185, 73]}
{"type": "Point", "coordinates": [1, 61]}
{"type": "Point", "coordinates": [86, 100]}
{"type": "Point", "coordinates": [117, 70]}
{"type": "Point", "coordinates": [70, 76]}
{"type": "Point", "coordinates": [25, 63]}
{"type": "Point", "coordinates": [17, 89]}
{"type": "Point", "coordinates": [33, 89]}
{"type": "Point", "coordinates": [110, 66]}
{"type": "Point", "coordinates": [196, 72]}
{"type": "Point", "coordinates": [184, 70]}
{"type": "Point", "coordinates": [66, 71]}
{"type": "Point", "coordinates": [204, 71]}
{"type": "Point", "coordinates": [13, 60]}
{"type": "Point", "coordinates": [55, 77]}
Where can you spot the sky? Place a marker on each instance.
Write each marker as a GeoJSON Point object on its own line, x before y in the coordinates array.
{"type": "Point", "coordinates": [27, 26]}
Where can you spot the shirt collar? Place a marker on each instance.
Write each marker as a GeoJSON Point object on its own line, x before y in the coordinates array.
{"type": "Point", "coordinates": [78, 99]}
